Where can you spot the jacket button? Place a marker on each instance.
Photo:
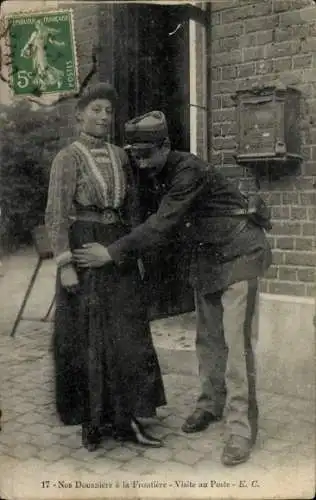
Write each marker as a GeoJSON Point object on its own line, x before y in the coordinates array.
{"type": "Point", "coordinates": [188, 224]}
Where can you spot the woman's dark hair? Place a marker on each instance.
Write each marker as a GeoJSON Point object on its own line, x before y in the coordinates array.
{"type": "Point", "coordinates": [98, 91]}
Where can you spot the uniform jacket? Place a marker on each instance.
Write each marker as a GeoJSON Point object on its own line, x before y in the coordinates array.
{"type": "Point", "coordinates": [193, 204]}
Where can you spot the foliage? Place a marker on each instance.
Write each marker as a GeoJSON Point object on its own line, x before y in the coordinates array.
{"type": "Point", "coordinates": [29, 139]}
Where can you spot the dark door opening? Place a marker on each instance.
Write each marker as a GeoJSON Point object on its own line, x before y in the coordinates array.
{"type": "Point", "coordinates": [152, 72]}
{"type": "Point", "coordinates": [152, 65]}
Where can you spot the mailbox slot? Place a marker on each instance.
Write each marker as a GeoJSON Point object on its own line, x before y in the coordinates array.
{"type": "Point", "coordinates": [268, 126]}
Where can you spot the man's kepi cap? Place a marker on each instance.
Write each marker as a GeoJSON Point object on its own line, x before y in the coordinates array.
{"type": "Point", "coordinates": [146, 130]}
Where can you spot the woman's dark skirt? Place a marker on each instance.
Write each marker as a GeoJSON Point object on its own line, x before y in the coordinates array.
{"type": "Point", "coordinates": [106, 367]}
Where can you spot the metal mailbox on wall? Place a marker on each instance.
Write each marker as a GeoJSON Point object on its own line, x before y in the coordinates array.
{"type": "Point", "coordinates": [268, 127]}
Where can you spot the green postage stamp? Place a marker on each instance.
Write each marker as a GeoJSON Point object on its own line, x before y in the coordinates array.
{"type": "Point", "coordinates": [42, 53]}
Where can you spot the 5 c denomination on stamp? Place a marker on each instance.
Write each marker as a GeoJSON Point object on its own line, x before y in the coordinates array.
{"type": "Point", "coordinates": [43, 53]}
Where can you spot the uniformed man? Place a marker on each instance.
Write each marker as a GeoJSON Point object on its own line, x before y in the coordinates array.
{"type": "Point", "coordinates": [229, 252]}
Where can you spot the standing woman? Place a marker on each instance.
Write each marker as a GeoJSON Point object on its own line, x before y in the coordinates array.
{"type": "Point", "coordinates": [106, 367]}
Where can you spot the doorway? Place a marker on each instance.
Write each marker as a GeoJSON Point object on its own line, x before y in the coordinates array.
{"type": "Point", "coordinates": [151, 60]}
{"type": "Point", "coordinates": [152, 65]}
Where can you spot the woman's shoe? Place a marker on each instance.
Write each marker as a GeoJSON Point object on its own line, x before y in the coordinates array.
{"type": "Point", "coordinates": [136, 434]}
{"type": "Point", "coordinates": [91, 438]}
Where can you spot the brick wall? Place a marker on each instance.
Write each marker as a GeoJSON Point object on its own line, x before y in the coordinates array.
{"type": "Point", "coordinates": [263, 42]}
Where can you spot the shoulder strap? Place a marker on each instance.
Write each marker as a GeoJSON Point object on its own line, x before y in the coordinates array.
{"type": "Point", "coordinates": [99, 183]}
{"type": "Point", "coordinates": [118, 173]}
{"type": "Point", "coordinates": [85, 151]}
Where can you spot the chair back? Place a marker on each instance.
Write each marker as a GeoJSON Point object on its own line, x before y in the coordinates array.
{"type": "Point", "coordinates": [41, 242]}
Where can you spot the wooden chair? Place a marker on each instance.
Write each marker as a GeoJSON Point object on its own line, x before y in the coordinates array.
{"type": "Point", "coordinates": [44, 252]}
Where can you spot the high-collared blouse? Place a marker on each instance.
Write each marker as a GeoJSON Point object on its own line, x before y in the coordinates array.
{"type": "Point", "coordinates": [76, 181]}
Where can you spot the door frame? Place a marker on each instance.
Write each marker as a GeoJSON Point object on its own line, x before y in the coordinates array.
{"type": "Point", "coordinates": [199, 39]}
{"type": "Point", "coordinates": [197, 16]}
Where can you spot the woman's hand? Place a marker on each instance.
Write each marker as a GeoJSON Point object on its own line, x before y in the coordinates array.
{"type": "Point", "coordinates": [69, 279]}
{"type": "Point", "coordinates": [91, 255]}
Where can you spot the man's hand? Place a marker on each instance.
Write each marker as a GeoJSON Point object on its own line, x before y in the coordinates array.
{"type": "Point", "coordinates": [91, 255]}
{"type": "Point", "coordinates": [69, 279]}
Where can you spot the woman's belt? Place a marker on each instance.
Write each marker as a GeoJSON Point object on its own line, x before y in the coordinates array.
{"type": "Point", "coordinates": [106, 216]}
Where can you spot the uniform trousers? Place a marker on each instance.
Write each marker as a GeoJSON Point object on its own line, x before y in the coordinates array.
{"type": "Point", "coordinates": [227, 331]}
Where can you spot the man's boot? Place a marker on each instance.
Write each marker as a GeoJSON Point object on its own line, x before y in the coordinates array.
{"type": "Point", "coordinates": [199, 421]}
{"type": "Point", "coordinates": [236, 450]}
